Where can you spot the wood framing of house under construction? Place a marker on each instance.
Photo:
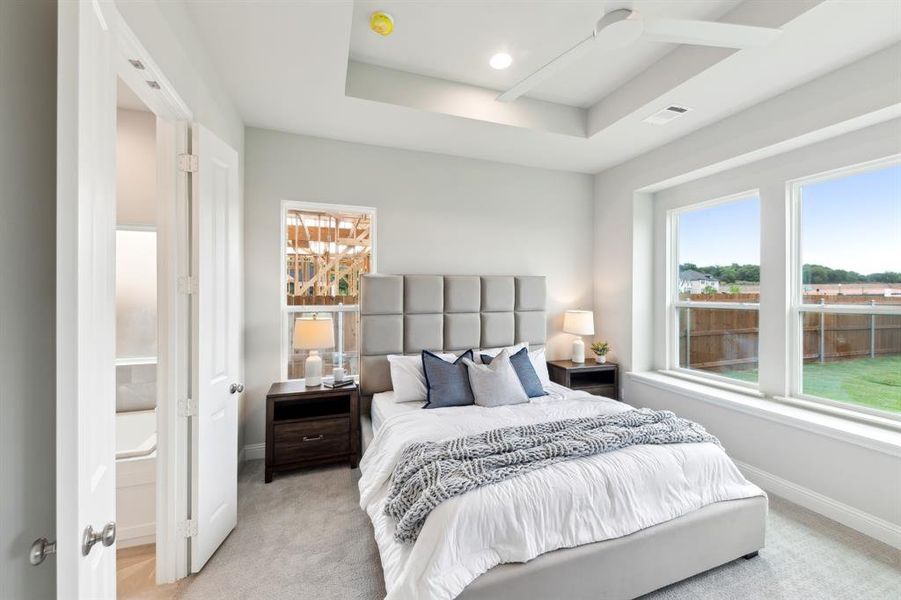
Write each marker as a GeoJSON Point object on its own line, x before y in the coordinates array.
{"type": "Point", "coordinates": [326, 253]}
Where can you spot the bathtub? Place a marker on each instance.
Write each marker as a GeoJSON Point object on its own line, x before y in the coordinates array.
{"type": "Point", "coordinates": [136, 477]}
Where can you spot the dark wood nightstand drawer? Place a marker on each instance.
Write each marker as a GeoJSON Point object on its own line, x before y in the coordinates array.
{"type": "Point", "coordinates": [310, 440]}
{"type": "Point", "coordinates": [314, 447]}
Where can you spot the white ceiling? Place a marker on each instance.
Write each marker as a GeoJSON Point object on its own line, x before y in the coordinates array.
{"type": "Point", "coordinates": [284, 64]}
{"type": "Point", "coordinates": [454, 40]}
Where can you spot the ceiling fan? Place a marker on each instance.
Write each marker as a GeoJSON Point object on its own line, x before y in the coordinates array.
{"type": "Point", "coordinates": [622, 26]}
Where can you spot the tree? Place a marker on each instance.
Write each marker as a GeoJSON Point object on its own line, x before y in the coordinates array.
{"type": "Point", "coordinates": [748, 273]}
{"type": "Point", "coordinates": [885, 277]}
{"type": "Point", "coordinates": [811, 274]}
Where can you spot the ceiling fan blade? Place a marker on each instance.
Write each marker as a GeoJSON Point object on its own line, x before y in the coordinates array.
{"type": "Point", "coordinates": [708, 33]}
{"type": "Point", "coordinates": [532, 81]}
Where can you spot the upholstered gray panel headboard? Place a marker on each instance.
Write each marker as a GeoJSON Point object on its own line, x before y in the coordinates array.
{"type": "Point", "coordinates": [405, 314]}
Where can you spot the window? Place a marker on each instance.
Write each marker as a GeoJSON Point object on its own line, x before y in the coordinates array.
{"type": "Point", "coordinates": [715, 289]}
{"type": "Point", "coordinates": [135, 295]}
{"type": "Point", "coordinates": [847, 288]}
{"type": "Point", "coordinates": [326, 250]}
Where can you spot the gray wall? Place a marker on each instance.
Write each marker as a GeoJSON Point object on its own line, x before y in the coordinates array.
{"type": "Point", "coordinates": [27, 289]}
{"type": "Point", "coordinates": [435, 214]}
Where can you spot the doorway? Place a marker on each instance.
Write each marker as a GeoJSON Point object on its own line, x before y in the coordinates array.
{"type": "Point", "coordinates": [137, 354]}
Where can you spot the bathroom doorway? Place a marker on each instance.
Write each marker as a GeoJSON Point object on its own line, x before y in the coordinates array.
{"type": "Point", "coordinates": [137, 353]}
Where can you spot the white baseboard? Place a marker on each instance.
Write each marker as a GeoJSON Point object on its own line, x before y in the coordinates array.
{"type": "Point", "coordinates": [254, 451]}
{"type": "Point", "coordinates": [849, 516]}
{"type": "Point", "coordinates": [136, 535]}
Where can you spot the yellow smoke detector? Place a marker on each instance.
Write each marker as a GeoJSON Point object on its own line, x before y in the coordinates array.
{"type": "Point", "coordinates": [381, 22]}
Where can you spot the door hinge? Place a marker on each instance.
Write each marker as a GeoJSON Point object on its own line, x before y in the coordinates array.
{"type": "Point", "coordinates": [187, 528]}
{"type": "Point", "coordinates": [186, 407]}
{"type": "Point", "coordinates": [188, 163]}
{"type": "Point", "coordinates": [187, 285]}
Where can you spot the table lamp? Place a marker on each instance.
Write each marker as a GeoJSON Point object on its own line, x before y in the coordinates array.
{"type": "Point", "coordinates": [578, 322]}
{"type": "Point", "coordinates": [313, 334]}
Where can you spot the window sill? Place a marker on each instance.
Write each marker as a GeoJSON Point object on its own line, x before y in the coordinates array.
{"type": "Point", "coordinates": [884, 436]}
{"type": "Point", "coordinates": [701, 380]}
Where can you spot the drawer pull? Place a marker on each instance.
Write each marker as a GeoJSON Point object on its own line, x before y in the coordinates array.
{"type": "Point", "coordinates": [312, 438]}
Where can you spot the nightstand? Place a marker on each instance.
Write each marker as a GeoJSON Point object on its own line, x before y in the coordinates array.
{"type": "Point", "coordinates": [591, 377]}
{"type": "Point", "coordinates": [311, 426]}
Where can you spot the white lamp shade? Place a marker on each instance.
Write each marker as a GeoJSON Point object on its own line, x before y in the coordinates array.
{"type": "Point", "coordinates": [579, 322]}
{"type": "Point", "coordinates": [313, 333]}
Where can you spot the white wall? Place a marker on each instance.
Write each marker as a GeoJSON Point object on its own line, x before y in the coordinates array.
{"type": "Point", "coordinates": [136, 197]}
{"type": "Point", "coordinates": [27, 294]}
{"type": "Point", "coordinates": [435, 214]}
{"type": "Point", "coordinates": [860, 483]}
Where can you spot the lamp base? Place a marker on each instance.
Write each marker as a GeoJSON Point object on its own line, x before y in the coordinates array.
{"type": "Point", "coordinates": [578, 351]}
{"type": "Point", "coordinates": [312, 369]}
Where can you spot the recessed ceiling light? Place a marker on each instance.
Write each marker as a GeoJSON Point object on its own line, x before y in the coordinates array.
{"type": "Point", "coordinates": [500, 61]}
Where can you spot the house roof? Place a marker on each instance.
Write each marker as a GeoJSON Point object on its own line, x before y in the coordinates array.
{"type": "Point", "coordinates": [692, 275]}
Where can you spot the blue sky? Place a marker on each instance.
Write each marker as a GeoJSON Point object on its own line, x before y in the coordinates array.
{"type": "Point", "coordinates": [722, 234]}
{"type": "Point", "coordinates": [851, 223]}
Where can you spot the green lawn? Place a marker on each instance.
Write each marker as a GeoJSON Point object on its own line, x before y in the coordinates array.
{"type": "Point", "coordinates": [873, 382]}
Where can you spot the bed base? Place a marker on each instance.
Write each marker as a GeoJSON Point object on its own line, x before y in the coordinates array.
{"type": "Point", "coordinates": [635, 564]}
{"type": "Point", "coordinates": [632, 565]}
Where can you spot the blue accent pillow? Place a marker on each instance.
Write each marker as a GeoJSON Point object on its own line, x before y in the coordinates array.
{"type": "Point", "coordinates": [447, 383]}
{"type": "Point", "coordinates": [525, 371]}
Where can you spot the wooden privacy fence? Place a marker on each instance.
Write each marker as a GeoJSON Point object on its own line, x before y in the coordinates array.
{"type": "Point", "coordinates": [728, 339]}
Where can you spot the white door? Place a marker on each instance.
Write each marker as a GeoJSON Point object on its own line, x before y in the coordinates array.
{"type": "Point", "coordinates": [85, 300]}
{"type": "Point", "coordinates": [216, 322]}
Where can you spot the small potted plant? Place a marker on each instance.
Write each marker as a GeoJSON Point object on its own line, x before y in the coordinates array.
{"type": "Point", "coordinates": [600, 350]}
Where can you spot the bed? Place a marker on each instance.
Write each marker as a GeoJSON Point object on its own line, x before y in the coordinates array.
{"type": "Point", "coordinates": [616, 525]}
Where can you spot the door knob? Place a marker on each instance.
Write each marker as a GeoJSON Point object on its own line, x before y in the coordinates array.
{"type": "Point", "coordinates": [41, 549]}
{"type": "Point", "coordinates": [236, 388]}
{"type": "Point", "coordinates": [106, 536]}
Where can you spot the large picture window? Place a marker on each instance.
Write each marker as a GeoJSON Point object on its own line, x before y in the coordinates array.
{"type": "Point", "coordinates": [325, 251]}
{"type": "Point", "coordinates": [715, 289]}
{"type": "Point", "coordinates": [847, 288]}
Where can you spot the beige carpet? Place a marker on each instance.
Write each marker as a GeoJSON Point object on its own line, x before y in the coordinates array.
{"type": "Point", "coordinates": [303, 536]}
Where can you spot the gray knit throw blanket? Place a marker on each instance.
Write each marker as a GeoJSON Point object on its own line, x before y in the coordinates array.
{"type": "Point", "coordinates": [428, 473]}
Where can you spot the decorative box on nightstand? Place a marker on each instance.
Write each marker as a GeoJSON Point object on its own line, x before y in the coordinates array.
{"type": "Point", "coordinates": [591, 377]}
{"type": "Point", "coordinates": [311, 426]}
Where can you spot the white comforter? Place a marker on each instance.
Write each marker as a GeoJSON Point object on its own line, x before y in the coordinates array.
{"type": "Point", "coordinates": [567, 504]}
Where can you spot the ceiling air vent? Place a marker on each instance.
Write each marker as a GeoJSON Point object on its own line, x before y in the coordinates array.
{"type": "Point", "coordinates": [666, 115]}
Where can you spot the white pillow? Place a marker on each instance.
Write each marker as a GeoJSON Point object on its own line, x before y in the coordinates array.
{"type": "Point", "coordinates": [492, 352]}
{"type": "Point", "coordinates": [537, 357]}
{"type": "Point", "coordinates": [408, 377]}
{"type": "Point", "coordinates": [496, 384]}
{"type": "Point", "coordinates": [539, 363]}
